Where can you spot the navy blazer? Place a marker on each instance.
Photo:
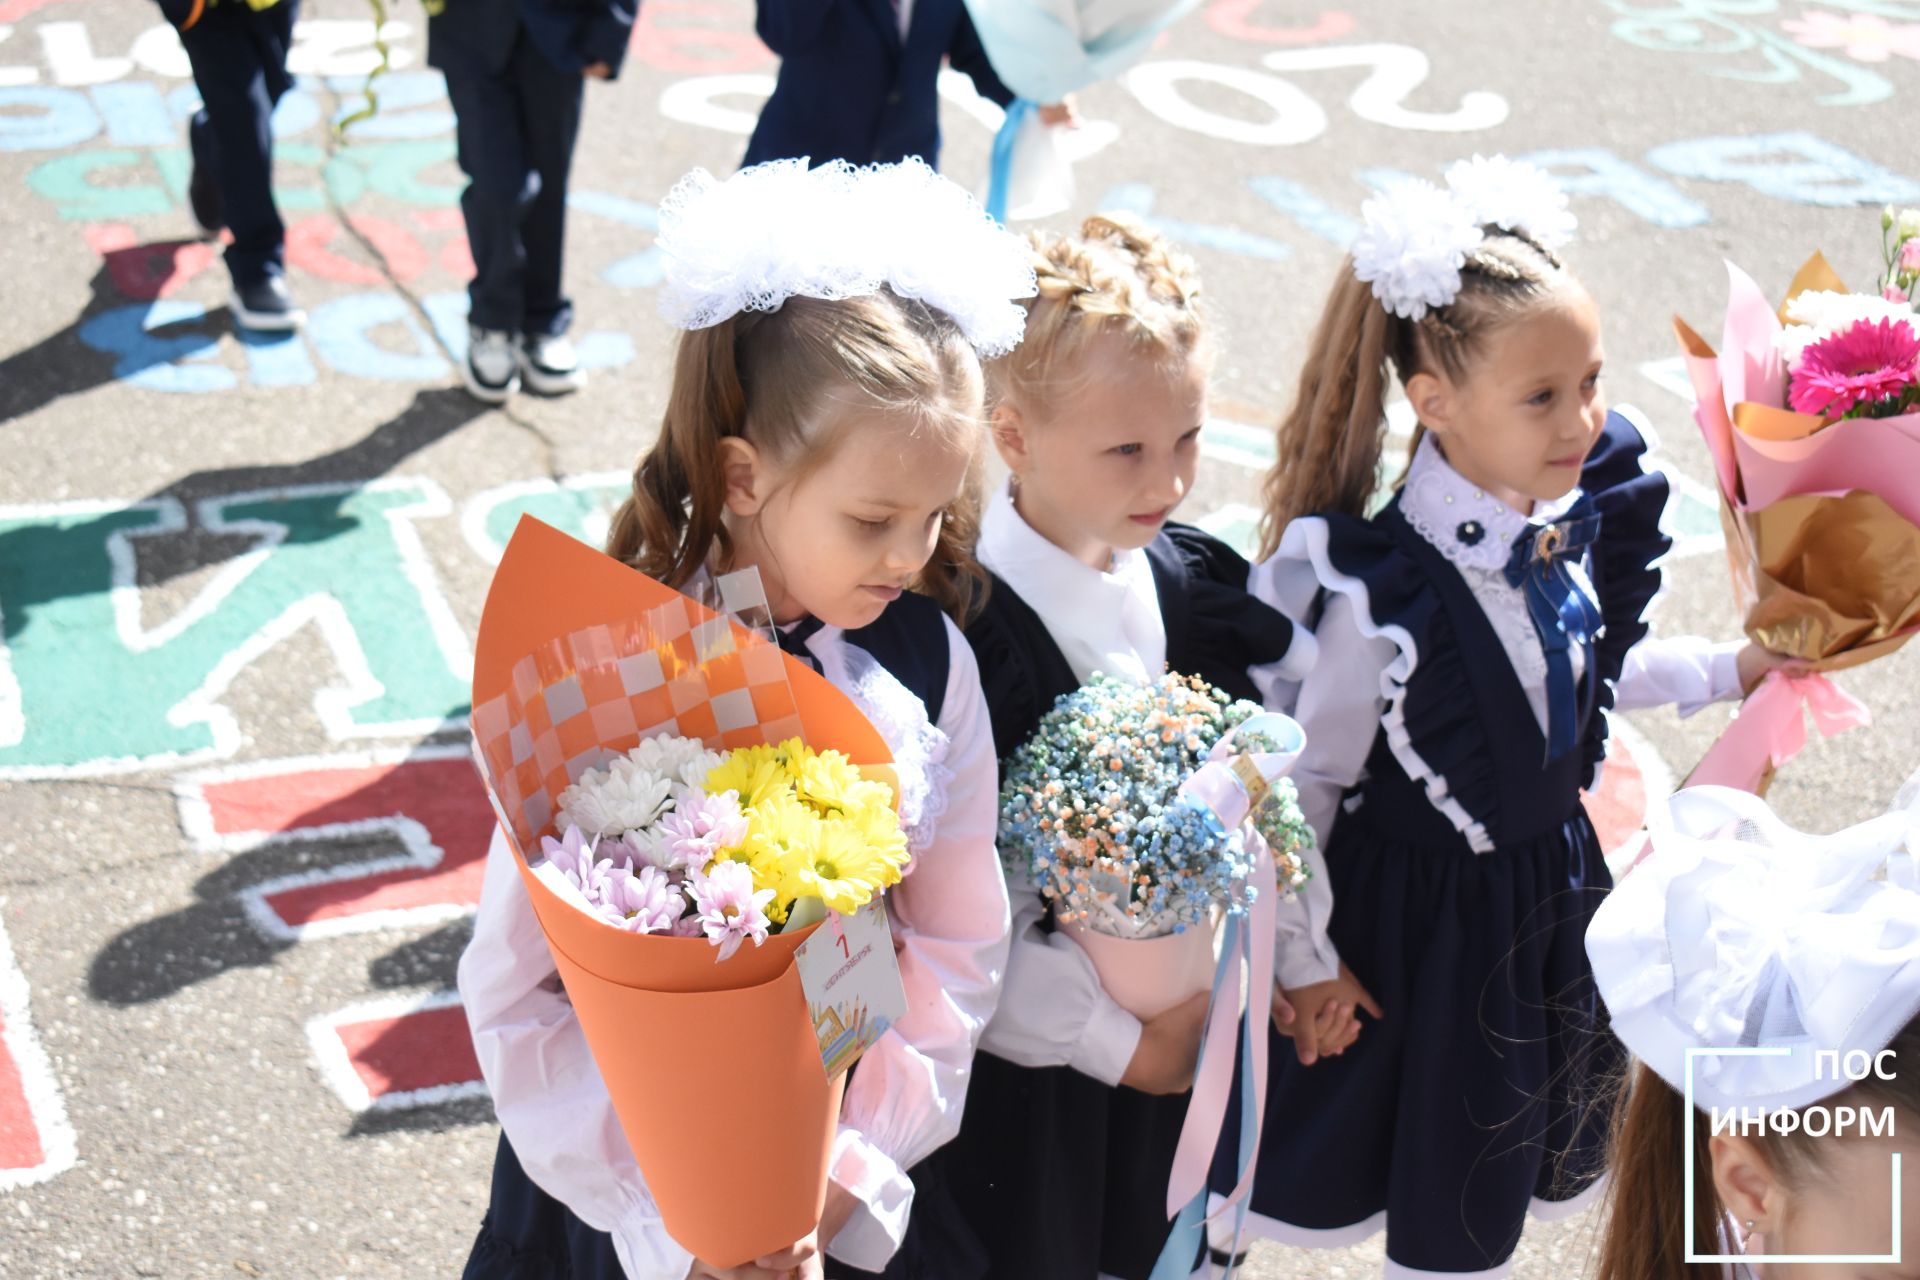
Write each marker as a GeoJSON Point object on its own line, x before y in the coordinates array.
{"type": "Point", "coordinates": [851, 89]}
{"type": "Point", "coordinates": [478, 35]}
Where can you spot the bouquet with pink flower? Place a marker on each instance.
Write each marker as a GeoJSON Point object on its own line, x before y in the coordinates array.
{"type": "Point", "coordinates": [1812, 415]}
{"type": "Point", "coordinates": [660, 840]}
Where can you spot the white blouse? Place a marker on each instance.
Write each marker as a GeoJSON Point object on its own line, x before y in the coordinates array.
{"type": "Point", "coordinates": [1341, 701]}
{"type": "Point", "coordinates": [1053, 1011]}
{"type": "Point", "coordinates": [949, 919]}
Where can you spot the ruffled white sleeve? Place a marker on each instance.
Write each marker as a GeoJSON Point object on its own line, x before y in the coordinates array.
{"type": "Point", "coordinates": [546, 1089]}
{"type": "Point", "coordinates": [950, 928]}
{"type": "Point", "coordinates": [1338, 703]}
{"type": "Point", "coordinates": [1689, 671]}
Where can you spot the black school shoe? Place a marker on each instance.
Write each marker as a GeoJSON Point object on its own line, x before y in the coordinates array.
{"type": "Point", "coordinates": [266, 305]}
{"type": "Point", "coordinates": [203, 188]}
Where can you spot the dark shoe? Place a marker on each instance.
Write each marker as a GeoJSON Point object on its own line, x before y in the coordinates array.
{"type": "Point", "coordinates": [491, 369]}
{"type": "Point", "coordinates": [266, 305]}
{"type": "Point", "coordinates": [549, 365]}
{"type": "Point", "coordinates": [203, 188]}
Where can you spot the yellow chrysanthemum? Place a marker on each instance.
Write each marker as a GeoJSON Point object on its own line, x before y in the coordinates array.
{"type": "Point", "coordinates": [752, 772]}
{"type": "Point", "coordinates": [825, 779]}
{"type": "Point", "coordinates": [839, 867]}
{"type": "Point", "coordinates": [878, 828]}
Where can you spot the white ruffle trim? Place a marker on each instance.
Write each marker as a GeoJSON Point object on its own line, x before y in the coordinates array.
{"type": "Point", "coordinates": [1305, 542]}
{"type": "Point", "coordinates": [919, 746]}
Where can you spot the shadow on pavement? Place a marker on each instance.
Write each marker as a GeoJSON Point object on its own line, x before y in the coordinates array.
{"type": "Point", "coordinates": [32, 571]}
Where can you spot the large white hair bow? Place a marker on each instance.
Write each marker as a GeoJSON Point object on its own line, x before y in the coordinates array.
{"type": "Point", "coordinates": [1740, 932]}
{"type": "Point", "coordinates": [1416, 236]}
{"type": "Point", "coordinates": [779, 230]}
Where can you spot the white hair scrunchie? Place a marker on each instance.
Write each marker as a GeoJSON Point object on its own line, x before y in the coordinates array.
{"type": "Point", "coordinates": [1415, 237]}
{"type": "Point", "coordinates": [781, 230]}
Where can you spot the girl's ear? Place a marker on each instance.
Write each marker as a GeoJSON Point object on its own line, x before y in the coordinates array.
{"type": "Point", "coordinates": [1744, 1180]}
{"type": "Point", "coordinates": [745, 474]}
{"type": "Point", "coordinates": [1433, 401]}
{"type": "Point", "coordinates": [1009, 431]}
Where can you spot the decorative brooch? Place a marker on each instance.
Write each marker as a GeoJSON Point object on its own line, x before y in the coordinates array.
{"type": "Point", "coordinates": [1470, 532]}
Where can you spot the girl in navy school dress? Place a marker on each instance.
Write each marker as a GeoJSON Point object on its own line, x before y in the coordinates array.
{"type": "Point", "coordinates": [832, 444]}
{"type": "Point", "coordinates": [1063, 1158]}
{"type": "Point", "coordinates": [1470, 638]}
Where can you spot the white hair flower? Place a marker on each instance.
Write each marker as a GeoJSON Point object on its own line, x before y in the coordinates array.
{"type": "Point", "coordinates": [1415, 239]}
{"type": "Point", "coordinates": [780, 230]}
{"type": "Point", "coordinates": [1514, 196]}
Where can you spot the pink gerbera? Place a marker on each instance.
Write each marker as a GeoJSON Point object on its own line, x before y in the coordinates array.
{"type": "Point", "coordinates": [1864, 365]}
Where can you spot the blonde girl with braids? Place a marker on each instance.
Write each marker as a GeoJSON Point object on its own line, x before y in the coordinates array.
{"type": "Point", "coordinates": [1061, 1167]}
{"type": "Point", "coordinates": [1471, 634]}
{"type": "Point", "coordinates": [824, 427]}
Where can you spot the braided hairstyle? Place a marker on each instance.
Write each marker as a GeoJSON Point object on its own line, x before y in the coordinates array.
{"type": "Point", "coordinates": [1117, 277]}
{"type": "Point", "coordinates": [764, 377]}
{"type": "Point", "coordinates": [1329, 445]}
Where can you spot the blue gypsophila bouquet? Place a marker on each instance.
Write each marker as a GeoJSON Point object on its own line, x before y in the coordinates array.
{"type": "Point", "coordinates": [1092, 812]}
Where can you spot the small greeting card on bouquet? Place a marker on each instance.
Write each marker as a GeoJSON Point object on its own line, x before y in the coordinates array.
{"type": "Point", "coordinates": [690, 804]}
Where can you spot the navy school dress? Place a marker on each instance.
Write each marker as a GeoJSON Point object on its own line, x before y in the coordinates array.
{"type": "Point", "coordinates": [529, 1235]}
{"type": "Point", "coordinates": [1062, 1176]}
{"type": "Point", "coordinates": [1483, 1092]}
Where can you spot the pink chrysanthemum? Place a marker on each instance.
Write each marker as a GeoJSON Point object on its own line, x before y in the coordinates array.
{"type": "Point", "coordinates": [731, 909]}
{"type": "Point", "coordinates": [1864, 364]}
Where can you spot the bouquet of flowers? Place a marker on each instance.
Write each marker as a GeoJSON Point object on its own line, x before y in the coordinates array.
{"type": "Point", "coordinates": [685, 788]}
{"type": "Point", "coordinates": [1812, 415]}
{"type": "Point", "coordinates": [675, 839]}
{"type": "Point", "coordinates": [1151, 817]}
{"type": "Point", "coordinates": [1093, 813]}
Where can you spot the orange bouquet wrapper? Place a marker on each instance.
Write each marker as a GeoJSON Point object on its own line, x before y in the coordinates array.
{"type": "Point", "coordinates": [578, 658]}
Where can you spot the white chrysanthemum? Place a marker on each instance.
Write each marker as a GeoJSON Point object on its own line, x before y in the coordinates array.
{"type": "Point", "coordinates": [1819, 314]}
{"type": "Point", "coordinates": [1414, 241]}
{"type": "Point", "coordinates": [614, 801]}
{"type": "Point", "coordinates": [781, 230]}
{"type": "Point", "coordinates": [674, 758]}
{"type": "Point", "coordinates": [1514, 196]}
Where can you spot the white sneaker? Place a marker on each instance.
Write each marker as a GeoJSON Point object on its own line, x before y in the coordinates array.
{"type": "Point", "coordinates": [550, 366]}
{"type": "Point", "coordinates": [491, 372]}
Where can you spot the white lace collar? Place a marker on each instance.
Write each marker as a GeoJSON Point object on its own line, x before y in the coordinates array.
{"type": "Point", "coordinates": [1470, 527]}
{"type": "Point", "coordinates": [1108, 622]}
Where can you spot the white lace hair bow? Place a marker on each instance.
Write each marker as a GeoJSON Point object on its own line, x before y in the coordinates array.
{"type": "Point", "coordinates": [1738, 931]}
{"type": "Point", "coordinates": [1417, 236]}
{"type": "Point", "coordinates": [780, 230]}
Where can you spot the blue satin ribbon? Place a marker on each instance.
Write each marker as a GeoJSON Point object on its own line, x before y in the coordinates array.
{"type": "Point", "coordinates": [1562, 612]}
{"type": "Point", "coordinates": [1000, 174]}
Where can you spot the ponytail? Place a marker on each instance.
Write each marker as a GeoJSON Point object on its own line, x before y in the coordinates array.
{"type": "Point", "coordinates": [1328, 447]}
{"type": "Point", "coordinates": [670, 524]}
{"type": "Point", "coordinates": [1646, 1211]}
